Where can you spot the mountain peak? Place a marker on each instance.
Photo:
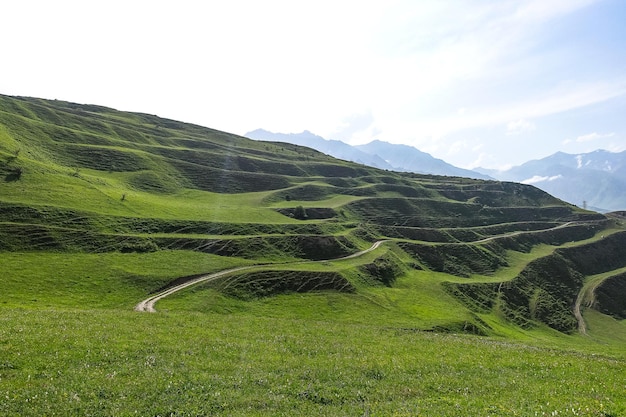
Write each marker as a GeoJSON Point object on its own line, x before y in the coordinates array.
{"type": "Point", "coordinates": [376, 154]}
{"type": "Point", "coordinates": [596, 179]}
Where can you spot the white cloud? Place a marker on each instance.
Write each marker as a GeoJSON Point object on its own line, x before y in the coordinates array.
{"type": "Point", "coordinates": [616, 147]}
{"type": "Point", "coordinates": [422, 131]}
{"type": "Point", "coordinates": [536, 179]}
{"type": "Point", "coordinates": [355, 129]}
{"type": "Point", "coordinates": [542, 10]}
{"type": "Point", "coordinates": [590, 137]}
{"type": "Point", "coordinates": [457, 146]}
{"type": "Point", "coordinates": [478, 162]}
{"type": "Point", "coordinates": [594, 136]}
{"type": "Point", "coordinates": [519, 126]}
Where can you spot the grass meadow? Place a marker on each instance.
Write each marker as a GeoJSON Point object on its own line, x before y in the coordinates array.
{"type": "Point", "coordinates": [104, 362]}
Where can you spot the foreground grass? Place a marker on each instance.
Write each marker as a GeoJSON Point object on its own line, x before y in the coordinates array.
{"type": "Point", "coordinates": [56, 362]}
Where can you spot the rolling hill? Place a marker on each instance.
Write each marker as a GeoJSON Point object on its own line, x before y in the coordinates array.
{"type": "Point", "coordinates": [321, 286]}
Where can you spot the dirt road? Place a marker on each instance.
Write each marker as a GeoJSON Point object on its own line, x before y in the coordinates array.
{"type": "Point", "coordinates": [147, 305]}
{"type": "Point", "coordinates": [521, 232]}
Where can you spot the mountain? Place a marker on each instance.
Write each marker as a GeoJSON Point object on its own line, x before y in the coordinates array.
{"type": "Point", "coordinates": [376, 154]}
{"type": "Point", "coordinates": [288, 282]}
{"type": "Point", "coordinates": [335, 148]}
{"type": "Point", "coordinates": [409, 159]}
{"type": "Point", "coordinates": [596, 180]}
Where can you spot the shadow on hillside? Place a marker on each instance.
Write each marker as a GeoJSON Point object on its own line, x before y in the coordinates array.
{"type": "Point", "coordinates": [13, 175]}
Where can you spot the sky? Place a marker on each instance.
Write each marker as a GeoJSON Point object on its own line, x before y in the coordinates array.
{"type": "Point", "coordinates": [489, 83]}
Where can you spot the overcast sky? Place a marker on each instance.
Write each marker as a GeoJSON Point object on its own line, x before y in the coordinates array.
{"type": "Point", "coordinates": [474, 82]}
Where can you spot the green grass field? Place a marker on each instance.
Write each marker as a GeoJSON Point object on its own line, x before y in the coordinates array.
{"type": "Point", "coordinates": [466, 309]}
{"type": "Point", "coordinates": [102, 362]}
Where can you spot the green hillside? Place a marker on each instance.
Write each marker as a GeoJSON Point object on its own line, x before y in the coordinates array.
{"type": "Point", "coordinates": [476, 286]}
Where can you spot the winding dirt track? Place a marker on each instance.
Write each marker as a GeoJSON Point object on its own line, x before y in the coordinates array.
{"type": "Point", "coordinates": [582, 326]}
{"type": "Point", "coordinates": [147, 305]}
{"type": "Point", "coordinates": [588, 294]}
{"type": "Point", "coordinates": [522, 232]}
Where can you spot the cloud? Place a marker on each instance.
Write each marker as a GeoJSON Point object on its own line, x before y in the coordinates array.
{"type": "Point", "coordinates": [560, 99]}
{"type": "Point", "coordinates": [616, 147]}
{"type": "Point", "coordinates": [457, 146]}
{"type": "Point", "coordinates": [589, 137]}
{"type": "Point", "coordinates": [537, 10]}
{"type": "Point", "coordinates": [356, 128]}
{"type": "Point", "coordinates": [480, 160]}
{"type": "Point", "coordinates": [519, 126]}
{"type": "Point", "coordinates": [536, 179]}
{"type": "Point", "coordinates": [480, 69]}
{"type": "Point", "coordinates": [593, 136]}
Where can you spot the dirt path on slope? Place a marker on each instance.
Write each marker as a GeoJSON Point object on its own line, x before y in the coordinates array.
{"type": "Point", "coordinates": [520, 232]}
{"type": "Point", "coordinates": [582, 326]}
{"type": "Point", "coordinates": [147, 305]}
{"type": "Point", "coordinates": [586, 293]}
{"type": "Point", "coordinates": [363, 252]}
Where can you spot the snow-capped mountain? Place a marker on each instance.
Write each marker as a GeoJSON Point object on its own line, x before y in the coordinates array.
{"type": "Point", "coordinates": [596, 180]}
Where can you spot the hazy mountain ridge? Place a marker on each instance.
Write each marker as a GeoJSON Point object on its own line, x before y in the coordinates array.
{"type": "Point", "coordinates": [334, 148]}
{"type": "Point", "coordinates": [410, 159]}
{"type": "Point", "coordinates": [376, 154]}
{"type": "Point", "coordinates": [596, 179]}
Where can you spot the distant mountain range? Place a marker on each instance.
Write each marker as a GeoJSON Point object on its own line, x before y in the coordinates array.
{"type": "Point", "coordinates": [376, 154]}
{"type": "Point", "coordinates": [596, 180]}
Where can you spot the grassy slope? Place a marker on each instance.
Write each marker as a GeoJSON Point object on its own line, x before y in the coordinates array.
{"type": "Point", "coordinates": [96, 183]}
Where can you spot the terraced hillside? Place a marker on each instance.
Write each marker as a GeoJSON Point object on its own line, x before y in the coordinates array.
{"type": "Point", "coordinates": [101, 209]}
{"type": "Point", "coordinates": [84, 179]}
